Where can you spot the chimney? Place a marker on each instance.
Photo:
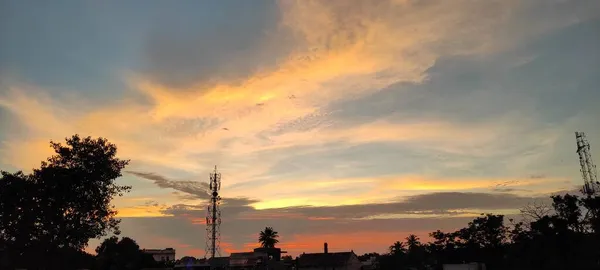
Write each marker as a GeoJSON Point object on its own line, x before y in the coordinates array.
{"type": "Point", "coordinates": [325, 250]}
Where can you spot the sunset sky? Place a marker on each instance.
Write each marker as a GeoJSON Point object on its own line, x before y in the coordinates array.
{"type": "Point", "coordinates": [351, 122]}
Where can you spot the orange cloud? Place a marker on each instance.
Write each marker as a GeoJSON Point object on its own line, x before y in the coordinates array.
{"type": "Point", "coordinates": [386, 188]}
{"type": "Point", "coordinates": [229, 248]}
{"type": "Point", "coordinates": [261, 216]}
{"type": "Point", "coordinates": [427, 183]}
{"type": "Point", "coordinates": [141, 211]}
{"type": "Point", "coordinates": [418, 184]}
{"type": "Point", "coordinates": [322, 199]}
{"type": "Point", "coordinates": [321, 218]}
{"type": "Point", "coordinates": [198, 221]}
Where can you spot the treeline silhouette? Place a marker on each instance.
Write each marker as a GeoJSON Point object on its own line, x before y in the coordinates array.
{"type": "Point", "coordinates": [564, 235]}
{"type": "Point", "coordinates": [567, 237]}
{"type": "Point", "coordinates": [47, 218]}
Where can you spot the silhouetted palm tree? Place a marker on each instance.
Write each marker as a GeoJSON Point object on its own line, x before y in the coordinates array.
{"type": "Point", "coordinates": [397, 248]}
{"type": "Point", "coordinates": [268, 238]}
{"type": "Point", "coordinates": [415, 252]}
{"type": "Point", "coordinates": [412, 241]}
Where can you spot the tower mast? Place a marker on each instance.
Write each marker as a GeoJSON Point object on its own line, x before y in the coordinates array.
{"type": "Point", "coordinates": [588, 169]}
{"type": "Point", "coordinates": [213, 217]}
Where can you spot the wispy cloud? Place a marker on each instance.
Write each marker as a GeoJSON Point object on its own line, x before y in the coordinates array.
{"type": "Point", "coordinates": [195, 188]}
{"type": "Point", "coordinates": [426, 205]}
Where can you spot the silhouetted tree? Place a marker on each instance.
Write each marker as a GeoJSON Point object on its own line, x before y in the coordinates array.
{"type": "Point", "coordinates": [62, 204]}
{"type": "Point", "coordinates": [396, 257]}
{"type": "Point", "coordinates": [268, 238]}
{"type": "Point", "coordinates": [113, 253]}
{"type": "Point", "coordinates": [397, 248]}
{"type": "Point", "coordinates": [443, 249]}
{"type": "Point", "coordinates": [534, 211]}
{"type": "Point", "coordinates": [186, 260]}
{"type": "Point", "coordinates": [561, 240]}
{"type": "Point", "coordinates": [484, 240]}
{"type": "Point", "coordinates": [18, 213]}
{"type": "Point", "coordinates": [415, 252]}
{"type": "Point", "coordinates": [412, 242]}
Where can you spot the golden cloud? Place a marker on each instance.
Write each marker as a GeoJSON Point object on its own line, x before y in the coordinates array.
{"type": "Point", "coordinates": [141, 211]}
{"type": "Point", "coordinates": [390, 188]}
{"type": "Point", "coordinates": [344, 50]}
{"type": "Point", "coordinates": [424, 183]}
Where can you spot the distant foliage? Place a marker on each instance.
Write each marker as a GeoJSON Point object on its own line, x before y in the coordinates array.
{"type": "Point", "coordinates": [186, 260]}
{"type": "Point", "coordinates": [61, 205]}
{"type": "Point", "coordinates": [564, 237]}
{"type": "Point", "coordinates": [122, 254]}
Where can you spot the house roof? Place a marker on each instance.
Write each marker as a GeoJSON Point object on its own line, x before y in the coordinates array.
{"type": "Point", "coordinates": [324, 259]}
{"type": "Point", "coordinates": [245, 258]}
{"type": "Point", "coordinates": [159, 251]}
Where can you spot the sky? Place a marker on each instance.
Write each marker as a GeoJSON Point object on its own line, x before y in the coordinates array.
{"type": "Point", "coordinates": [349, 122]}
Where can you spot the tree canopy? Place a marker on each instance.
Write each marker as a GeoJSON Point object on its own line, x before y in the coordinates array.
{"type": "Point", "coordinates": [125, 253]}
{"type": "Point", "coordinates": [63, 203]}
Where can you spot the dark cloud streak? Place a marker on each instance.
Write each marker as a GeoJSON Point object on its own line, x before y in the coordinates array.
{"type": "Point", "coordinates": [198, 190]}
{"type": "Point", "coordinates": [443, 203]}
{"type": "Point", "coordinates": [435, 203]}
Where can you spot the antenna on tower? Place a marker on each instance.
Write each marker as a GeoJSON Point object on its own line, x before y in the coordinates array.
{"type": "Point", "coordinates": [213, 216]}
{"type": "Point", "coordinates": [588, 169]}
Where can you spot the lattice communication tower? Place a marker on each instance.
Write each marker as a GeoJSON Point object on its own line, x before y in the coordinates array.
{"type": "Point", "coordinates": [213, 216]}
{"type": "Point", "coordinates": [588, 169]}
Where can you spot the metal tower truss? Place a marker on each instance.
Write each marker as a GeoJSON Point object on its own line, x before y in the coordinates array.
{"type": "Point", "coordinates": [213, 216]}
{"type": "Point", "coordinates": [588, 169]}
